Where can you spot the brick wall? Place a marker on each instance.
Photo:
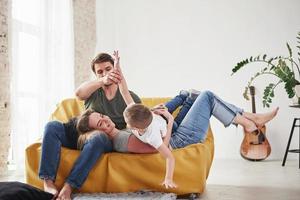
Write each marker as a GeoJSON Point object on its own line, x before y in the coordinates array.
{"type": "Point", "coordinates": [85, 38]}
{"type": "Point", "coordinates": [4, 85]}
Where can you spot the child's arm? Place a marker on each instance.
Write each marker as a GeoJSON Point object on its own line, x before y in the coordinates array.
{"type": "Point", "coordinates": [170, 165]}
{"type": "Point", "coordinates": [166, 139]}
{"type": "Point", "coordinates": [122, 84]}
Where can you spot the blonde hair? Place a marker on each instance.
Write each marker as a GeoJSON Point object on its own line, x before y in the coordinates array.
{"type": "Point", "coordinates": [138, 116]}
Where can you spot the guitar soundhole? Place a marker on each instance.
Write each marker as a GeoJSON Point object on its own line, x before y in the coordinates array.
{"type": "Point", "coordinates": [260, 138]}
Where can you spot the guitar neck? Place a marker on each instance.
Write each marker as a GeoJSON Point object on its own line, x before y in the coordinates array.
{"type": "Point", "coordinates": [253, 104]}
{"type": "Point", "coordinates": [252, 93]}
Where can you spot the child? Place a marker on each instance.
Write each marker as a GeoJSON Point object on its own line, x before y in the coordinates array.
{"type": "Point", "coordinates": [151, 128]}
{"type": "Point", "coordinates": [138, 117]}
{"type": "Point", "coordinates": [192, 125]}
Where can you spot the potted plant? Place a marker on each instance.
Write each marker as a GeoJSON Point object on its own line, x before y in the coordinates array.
{"type": "Point", "coordinates": [286, 69]}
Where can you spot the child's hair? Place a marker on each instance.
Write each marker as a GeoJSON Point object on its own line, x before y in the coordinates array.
{"type": "Point", "coordinates": [83, 128]}
{"type": "Point", "coordinates": [138, 116]}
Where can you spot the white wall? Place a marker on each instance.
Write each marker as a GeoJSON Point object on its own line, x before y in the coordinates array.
{"type": "Point", "coordinates": [169, 45]}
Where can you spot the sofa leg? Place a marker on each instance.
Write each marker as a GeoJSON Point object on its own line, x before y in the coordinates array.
{"type": "Point", "coordinates": [193, 196]}
{"type": "Point", "coordinates": [190, 196]}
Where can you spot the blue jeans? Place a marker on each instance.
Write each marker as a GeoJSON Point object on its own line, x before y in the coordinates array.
{"type": "Point", "coordinates": [194, 125]}
{"type": "Point", "coordinates": [55, 138]}
{"type": "Point", "coordinates": [180, 100]}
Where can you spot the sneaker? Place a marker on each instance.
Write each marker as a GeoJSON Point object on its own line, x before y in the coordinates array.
{"type": "Point", "coordinates": [184, 93]}
{"type": "Point", "coordinates": [193, 94]}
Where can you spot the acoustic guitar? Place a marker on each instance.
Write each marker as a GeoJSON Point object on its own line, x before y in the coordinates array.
{"type": "Point", "coordinates": [255, 145]}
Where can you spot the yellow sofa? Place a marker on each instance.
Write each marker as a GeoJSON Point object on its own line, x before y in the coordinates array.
{"type": "Point", "coordinates": [120, 172]}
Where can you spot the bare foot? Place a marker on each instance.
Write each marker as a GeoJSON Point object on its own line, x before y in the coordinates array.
{"type": "Point", "coordinates": [249, 126]}
{"type": "Point", "coordinates": [50, 187]}
{"type": "Point", "coordinates": [65, 193]}
{"type": "Point", "coordinates": [261, 119]}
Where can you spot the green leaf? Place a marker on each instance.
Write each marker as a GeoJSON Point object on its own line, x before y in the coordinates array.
{"type": "Point", "coordinates": [239, 65]}
{"type": "Point", "coordinates": [289, 48]}
{"type": "Point", "coordinates": [264, 103]}
{"type": "Point", "coordinates": [245, 93]}
{"type": "Point", "coordinates": [270, 60]}
{"type": "Point", "coordinates": [264, 57]}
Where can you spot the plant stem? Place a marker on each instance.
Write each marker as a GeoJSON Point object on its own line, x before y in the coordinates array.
{"type": "Point", "coordinates": [276, 85]}
{"type": "Point", "coordinates": [270, 73]}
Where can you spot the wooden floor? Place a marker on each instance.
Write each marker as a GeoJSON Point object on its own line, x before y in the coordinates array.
{"type": "Point", "coordinates": [240, 180]}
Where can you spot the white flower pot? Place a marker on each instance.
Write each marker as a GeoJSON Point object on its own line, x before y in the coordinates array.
{"type": "Point", "coordinates": [297, 90]}
{"type": "Point", "coordinates": [296, 98]}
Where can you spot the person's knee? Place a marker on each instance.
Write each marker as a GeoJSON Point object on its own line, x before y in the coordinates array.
{"type": "Point", "coordinates": [207, 93]}
{"type": "Point", "coordinates": [52, 128]}
{"type": "Point", "coordinates": [100, 140]}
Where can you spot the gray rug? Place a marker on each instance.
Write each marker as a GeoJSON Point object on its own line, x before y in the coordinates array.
{"type": "Point", "coordinates": [126, 196]}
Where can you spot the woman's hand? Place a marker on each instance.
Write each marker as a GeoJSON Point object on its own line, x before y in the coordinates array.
{"type": "Point", "coordinates": [168, 183]}
{"type": "Point", "coordinates": [159, 106]}
{"type": "Point", "coordinates": [164, 112]}
{"type": "Point", "coordinates": [113, 77]}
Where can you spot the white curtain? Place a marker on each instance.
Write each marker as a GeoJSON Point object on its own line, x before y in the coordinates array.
{"type": "Point", "coordinates": [42, 67]}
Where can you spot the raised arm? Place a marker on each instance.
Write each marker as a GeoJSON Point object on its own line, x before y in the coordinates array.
{"type": "Point", "coordinates": [122, 84]}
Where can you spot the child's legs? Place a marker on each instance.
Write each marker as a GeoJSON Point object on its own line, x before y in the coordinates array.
{"type": "Point", "coordinates": [174, 103]}
{"type": "Point", "coordinates": [194, 126]}
{"type": "Point", "coordinates": [187, 104]}
{"type": "Point", "coordinates": [177, 101]}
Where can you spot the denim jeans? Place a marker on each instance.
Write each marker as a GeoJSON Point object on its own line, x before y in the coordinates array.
{"type": "Point", "coordinates": [55, 138]}
{"type": "Point", "coordinates": [185, 102]}
{"type": "Point", "coordinates": [194, 126]}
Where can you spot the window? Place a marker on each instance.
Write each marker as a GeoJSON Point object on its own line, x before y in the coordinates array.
{"type": "Point", "coordinates": [42, 67]}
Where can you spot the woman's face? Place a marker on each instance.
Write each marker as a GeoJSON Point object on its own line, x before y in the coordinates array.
{"type": "Point", "coordinates": [101, 122]}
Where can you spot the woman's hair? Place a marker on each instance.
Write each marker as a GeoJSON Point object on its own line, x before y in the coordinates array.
{"type": "Point", "coordinates": [101, 58]}
{"type": "Point", "coordinates": [83, 127]}
{"type": "Point", "coordinates": [138, 116]}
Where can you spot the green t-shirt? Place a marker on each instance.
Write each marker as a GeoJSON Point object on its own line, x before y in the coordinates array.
{"type": "Point", "coordinates": [113, 108]}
